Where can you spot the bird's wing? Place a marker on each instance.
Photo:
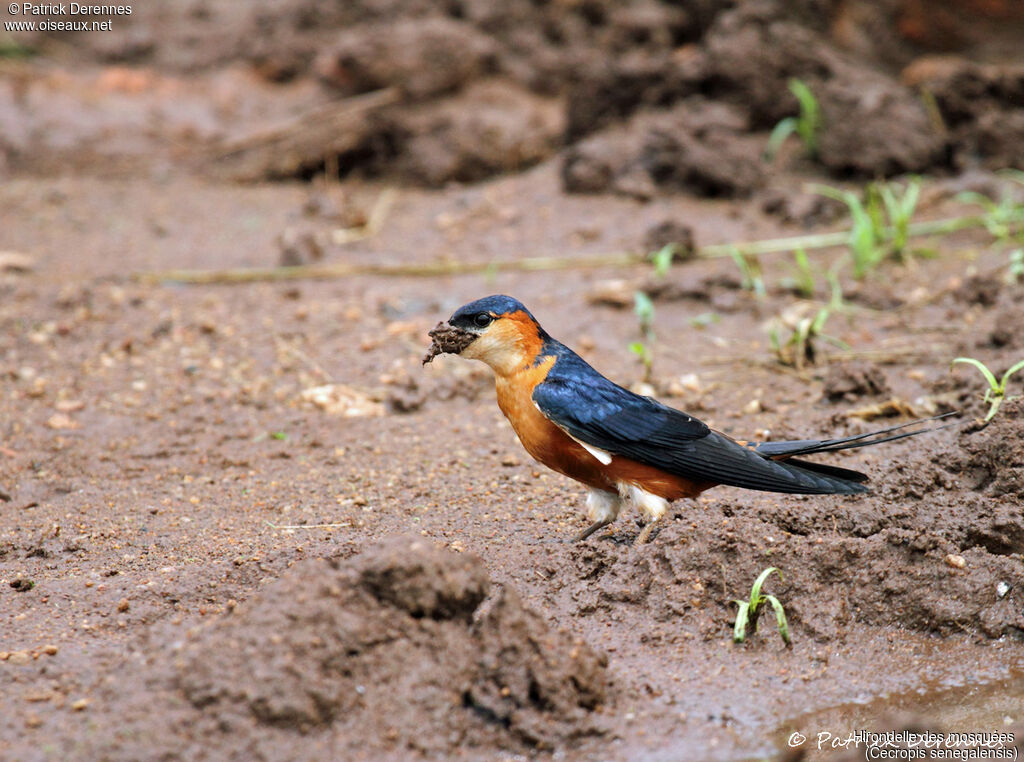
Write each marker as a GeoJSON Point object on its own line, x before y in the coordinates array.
{"type": "Point", "coordinates": [601, 414]}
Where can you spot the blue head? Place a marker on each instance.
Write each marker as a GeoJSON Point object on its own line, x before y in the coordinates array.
{"type": "Point", "coordinates": [497, 330]}
{"type": "Point", "coordinates": [481, 313]}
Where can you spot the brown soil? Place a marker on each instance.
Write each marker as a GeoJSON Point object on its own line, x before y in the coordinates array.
{"type": "Point", "coordinates": [324, 651]}
{"type": "Point", "coordinates": [243, 521]}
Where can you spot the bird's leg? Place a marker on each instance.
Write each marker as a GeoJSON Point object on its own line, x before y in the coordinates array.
{"type": "Point", "coordinates": [592, 528]}
{"type": "Point", "coordinates": [645, 533]}
{"type": "Point", "coordinates": [602, 509]}
{"type": "Point", "coordinates": [652, 506]}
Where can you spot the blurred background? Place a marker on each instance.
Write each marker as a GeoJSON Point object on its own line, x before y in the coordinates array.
{"type": "Point", "coordinates": [639, 98]}
{"type": "Point", "coordinates": [225, 230]}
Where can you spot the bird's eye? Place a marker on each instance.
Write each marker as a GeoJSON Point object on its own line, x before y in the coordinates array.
{"type": "Point", "coordinates": [482, 319]}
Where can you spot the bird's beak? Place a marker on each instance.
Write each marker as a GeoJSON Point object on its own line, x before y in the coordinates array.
{"type": "Point", "coordinates": [447, 339]}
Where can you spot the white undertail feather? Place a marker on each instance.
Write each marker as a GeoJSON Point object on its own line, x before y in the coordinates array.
{"type": "Point", "coordinates": [603, 456]}
{"type": "Point", "coordinates": [603, 506]}
{"type": "Point", "coordinates": [652, 506]}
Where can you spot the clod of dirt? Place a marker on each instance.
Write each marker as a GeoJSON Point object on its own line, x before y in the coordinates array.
{"type": "Point", "coordinates": [753, 49]}
{"type": "Point", "coordinates": [671, 232]}
{"type": "Point", "coordinates": [422, 57]}
{"type": "Point", "coordinates": [299, 247]}
{"type": "Point", "coordinates": [491, 127]}
{"type": "Point", "coordinates": [981, 104]}
{"type": "Point", "coordinates": [851, 381]}
{"type": "Point", "coordinates": [801, 208]}
{"type": "Point", "coordinates": [409, 394]}
{"type": "Point", "coordinates": [992, 459]}
{"type": "Point", "coordinates": [615, 89]}
{"type": "Point", "coordinates": [22, 585]}
{"type": "Point", "coordinates": [980, 289]}
{"type": "Point", "coordinates": [1006, 330]}
{"type": "Point", "coordinates": [697, 146]}
{"type": "Point", "coordinates": [872, 125]}
{"type": "Point", "coordinates": [394, 648]}
{"type": "Point", "coordinates": [447, 339]}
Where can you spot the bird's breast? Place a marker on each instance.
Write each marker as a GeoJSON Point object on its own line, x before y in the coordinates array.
{"type": "Point", "coordinates": [544, 440]}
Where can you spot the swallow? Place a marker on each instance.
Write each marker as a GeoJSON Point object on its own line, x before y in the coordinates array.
{"type": "Point", "coordinates": [623, 446]}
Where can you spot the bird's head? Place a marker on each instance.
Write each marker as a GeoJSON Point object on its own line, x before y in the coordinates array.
{"type": "Point", "coordinates": [497, 330]}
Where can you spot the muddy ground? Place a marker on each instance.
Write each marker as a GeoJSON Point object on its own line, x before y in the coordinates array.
{"type": "Point", "coordinates": [241, 521]}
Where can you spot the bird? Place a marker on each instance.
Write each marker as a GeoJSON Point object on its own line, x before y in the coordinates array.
{"type": "Point", "coordinates": [625, 447]}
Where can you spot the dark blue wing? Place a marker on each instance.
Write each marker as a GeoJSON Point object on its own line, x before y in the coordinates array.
{"type": "Point", "coordinates": [592, 409]}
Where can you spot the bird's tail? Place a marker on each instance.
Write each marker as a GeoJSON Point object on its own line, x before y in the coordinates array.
{"type": "Point", "coordinates": [793, 448]}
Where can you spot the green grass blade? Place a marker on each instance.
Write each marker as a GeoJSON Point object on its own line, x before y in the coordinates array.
{"type": "Point", "coordinates": [704, 319]}
{"type": "Point", "coordinates": [805, 275]}
{"type": "Point", "coordinates": [662, 259]}
{"type": "Point", "coordinates": [780, 619]}
{"type": "Point", "coordinates": [835, 341]}
{"type": "Point", "coordinates": [1015, 175]}
{"type": "Point", "coordinates": [994, 400]}
{"type": "Point", "coordinates": [644, 309]}
{"type": "Point", "coordinates": [780, 134]}
{"type": "Point", "coordinates": [992, 383]}
{"type": "Point", "coordinates": [755, 591]}
{"type": "Point", "coordinates": [739, 629]}
{"type": "Point", "coordinates": [809, 122]}
{"type": "Point", "coordinates": [973, 197]}
{"type": "Point", "coordinates": [910, 198]}
{"type": "Point", "coordinates": [818, 323]}
{"type": "Point", "coordinates": [829, 192]}
{"type": "Point", "coordinates": [1010, 372]}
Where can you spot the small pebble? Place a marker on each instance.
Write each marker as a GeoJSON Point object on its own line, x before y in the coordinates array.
{"type": "Point", "coordinates": [957, 562]}
{"type": "Point", "coordinates": [50, 650]}
{"type": "Point", "coordinates": [19, 657]}
{"type": "Point", "coordinates": [80, 704]}
{"type": "Point", "coordinates": [1002, 589]}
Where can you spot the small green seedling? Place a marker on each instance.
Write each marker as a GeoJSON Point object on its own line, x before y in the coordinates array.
{"type": "Point", "coordinates": [1015, 270]}
{"type": "Point", "coordinates": [836, 303]}
{"type": "Point", "coordinates": [880, 222]}
{"type": "Point", "coordinates": [806, 125]}
{"type": "Point", "coordinates": [642, 351]}
{"type": "Point", "coordinates": [864, 239]}
{"type": "Point", "coordinates": [750, 611]}
{"type": "Point", "coordinates": [996, 392]}
{"type": "Point", "coordinates": [704, 319]}
{"type": "Point", "coordinates": [802, 280]}
{"type": "Point", "coordinates": [799, 347]}
{"type": "Point", "coordinates": [644, 309]}
{"type": "Point", "coordinates": [750, 272]}
{"type": "Point", "coordinates": [662, 260]}
{"type": "Point", "coordinates": [12, 49]}
{"type": "Point", "coordinates": [1000, 216]}
{"type": "Point", "coordinates": [899, 209]}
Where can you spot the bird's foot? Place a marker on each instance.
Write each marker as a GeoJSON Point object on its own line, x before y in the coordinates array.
{"type": "Point", "coordinates": [645, 533]}
{"type": "Point", "coordinates": [591, 529]}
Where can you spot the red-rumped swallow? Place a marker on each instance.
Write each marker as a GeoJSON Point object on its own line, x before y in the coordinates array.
{"type": "Point", "coordinates": [624, 446]}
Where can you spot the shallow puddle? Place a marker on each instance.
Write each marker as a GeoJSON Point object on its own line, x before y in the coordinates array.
{"type": "Point", "coordinates": [964, 704]}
